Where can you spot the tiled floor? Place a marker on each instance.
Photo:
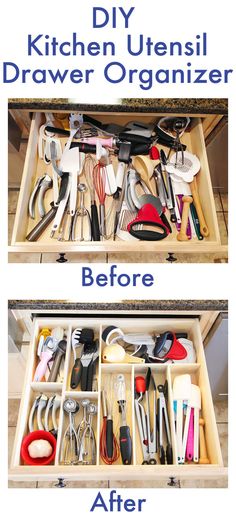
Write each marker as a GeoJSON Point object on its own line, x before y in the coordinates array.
{"type": "Point", "coordinates": [221, 201]}
{"type": "Point", "coordinates": [221, 412]}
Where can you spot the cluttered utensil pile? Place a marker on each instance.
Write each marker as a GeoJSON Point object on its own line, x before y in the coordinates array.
{"type": "Point", "coordinates": [143, 192]}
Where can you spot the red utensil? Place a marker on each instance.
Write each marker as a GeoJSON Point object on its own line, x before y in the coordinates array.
{"type": "Point", "coordinates": [38, 435]}
{"type": "Point", "coordinates": [140, 384]}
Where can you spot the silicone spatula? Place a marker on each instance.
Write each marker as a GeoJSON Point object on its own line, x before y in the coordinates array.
{"type": "Point", "coordinates": [190, 439]}
{"type": "Point", "coordinates": [181, 393]}
{"type": "Point", "coordinates": [197, 407]}
{"type": "Point", "coordinates": [191, 404]}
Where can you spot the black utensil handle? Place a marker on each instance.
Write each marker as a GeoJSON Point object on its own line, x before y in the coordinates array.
{"type": "Point", "coordinates": [63, 186]}
{"type": "Point", "coordinates": [140, 149]}
{"type": "Point", "coordinates": [90, 374]}
{"type": "Point", "coordinates": [109, 438]}
{"type": "Point", "coordinates": [166, 222]}
{"type": "Point", "coordinates": [84, 147]}
{"type": "Point", "coordinates": [149, 235]}
{"type": "Point", "coordinates": [125, 445]}
{"type": "Point", "coordinates": [169, 454]}
{"type": "Point", "coordinates": [95, 223]}
{"type": "Point", "coordinates": [55, 367]}
{"type": "Point", "coordinates": [84, 378]}
{"type": "Point", "coordinates": [163, 157]}
{"type": "Point", "coordinates": [162, 455]}
{"type": "Point", "coordinates": [59, 131]}
{"type": "Point", "coordinates": [76, 374]}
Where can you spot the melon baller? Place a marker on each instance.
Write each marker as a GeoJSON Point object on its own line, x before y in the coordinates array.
{"type": "Point", "coordinates": [69, 447]}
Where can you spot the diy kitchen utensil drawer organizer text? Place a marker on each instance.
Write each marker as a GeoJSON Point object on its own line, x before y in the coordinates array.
{"type": "Point", "coordinates": [118, 187]}
{"type": "Point", "coordinates": [110, 378]}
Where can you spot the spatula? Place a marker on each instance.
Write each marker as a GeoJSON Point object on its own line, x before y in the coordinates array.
{"type": "Point", "coordinates": [197, 407]}
{"type": "Point", "coordinates": [191, 404]}
{"type": "Point", "coordinates": [181, 393]}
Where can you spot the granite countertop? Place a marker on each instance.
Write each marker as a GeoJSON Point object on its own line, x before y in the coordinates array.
{"type": "Point", "coordinates": [162, 105]}
{"type": "Point", "coordinates": [190, 305]}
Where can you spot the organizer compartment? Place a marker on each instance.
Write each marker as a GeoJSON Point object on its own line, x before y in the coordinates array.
{"type": "Point", "coordinates": [108, 376]}
{"type": "Point", "coordinates": [78, 397]}
{"type": "Point", "coordinates": [34, 168]}
{"type": "Point", "coordinates": [96, 329]}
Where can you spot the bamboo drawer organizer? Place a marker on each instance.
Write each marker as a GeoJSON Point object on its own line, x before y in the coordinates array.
{"type": "Point", "coordinates": [117, 471]}
{"type": "Point", "coordinates": [34, 168]}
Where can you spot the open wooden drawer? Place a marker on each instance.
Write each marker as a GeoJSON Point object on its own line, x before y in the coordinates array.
{"type": "Point", "coordinates": [194, 139]}
{"type": "Point", "coordinates": [104, 374]}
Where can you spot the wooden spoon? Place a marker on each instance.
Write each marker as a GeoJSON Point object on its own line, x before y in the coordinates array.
{"type": "Point", "coordinates": [182, 236]}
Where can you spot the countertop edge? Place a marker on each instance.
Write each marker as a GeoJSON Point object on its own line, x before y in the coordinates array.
{"type": "Point", "coordinates": [215, 305]}
{"type": "Point", "coordinates": [207, 106]}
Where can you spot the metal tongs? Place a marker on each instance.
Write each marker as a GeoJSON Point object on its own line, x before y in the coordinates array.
{"type": "Point", "coordinates": [147, 432]}
{"type": "Point", "coordinates": [164, 420]}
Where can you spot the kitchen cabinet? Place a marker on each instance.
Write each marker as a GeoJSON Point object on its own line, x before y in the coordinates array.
{"type": "Point", "coordinates": [33, 168]}
{"type": "Point", "coordinates": [145, 322]}
{"type": "Point", "coordinates": [216, 352]}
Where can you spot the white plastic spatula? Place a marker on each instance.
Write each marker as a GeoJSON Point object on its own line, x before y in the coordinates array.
{"type": "Point", "coordinates": [191, 404]}
{"type": "Point", "coordinates": [197, 407]}
{"type": "Point", "coordinates": [181, 393]}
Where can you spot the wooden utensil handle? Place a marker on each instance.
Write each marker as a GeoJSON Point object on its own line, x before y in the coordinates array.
{"type": "Point", "coordinates": [182, 236]}
{"type": "Point", "coordinates": [203, 226]}
{"type": "Point", "coordinates": [203, 451]}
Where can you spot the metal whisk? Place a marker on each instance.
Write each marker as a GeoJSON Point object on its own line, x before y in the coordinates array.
{"type": "Point", "coordinates": [89, 165]}
{"type": "Point", "coordinates": [99, 182]}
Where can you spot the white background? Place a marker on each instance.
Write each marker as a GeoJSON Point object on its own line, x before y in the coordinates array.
{"type": "Point", "coordinates": [162, 20]}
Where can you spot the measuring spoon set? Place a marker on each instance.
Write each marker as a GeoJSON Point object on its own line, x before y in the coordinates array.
{"type": "Point", "coordinates": [136, 191]}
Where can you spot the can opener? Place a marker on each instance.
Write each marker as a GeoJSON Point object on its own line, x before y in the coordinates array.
{"type": "Point", "coordinates": [38, 406]}
{"type": "Point", "coordinates": [42, 185]}
{"type": "Point", "coordinates": [45, 352]}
